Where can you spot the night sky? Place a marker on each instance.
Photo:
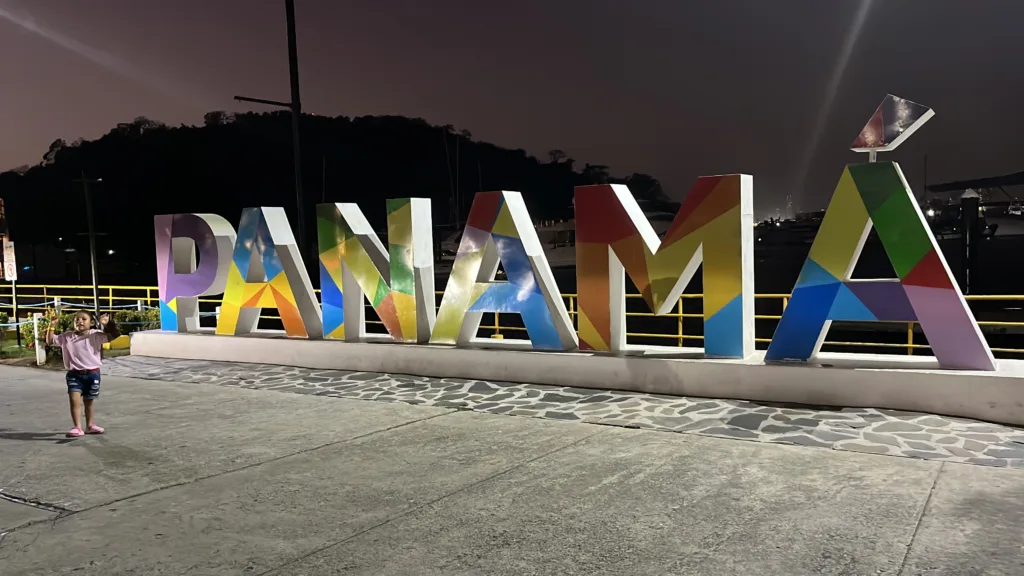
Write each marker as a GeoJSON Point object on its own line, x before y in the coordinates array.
{"type": "Point", "coordinates": [676, 89]}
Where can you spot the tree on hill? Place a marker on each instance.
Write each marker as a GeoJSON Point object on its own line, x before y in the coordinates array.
{"type": "Point", "coordinates": [233, 161]}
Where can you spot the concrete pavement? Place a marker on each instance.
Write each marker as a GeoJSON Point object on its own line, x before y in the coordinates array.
{"type": "Point", "coordinates": [203, 479]}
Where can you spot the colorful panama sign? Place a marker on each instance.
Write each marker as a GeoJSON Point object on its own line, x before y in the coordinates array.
{"type": "Point", "coordinates": [260, 267]}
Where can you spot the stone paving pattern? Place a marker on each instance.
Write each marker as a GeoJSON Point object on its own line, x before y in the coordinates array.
{"type": "Point", "coordinates": [874, 431]}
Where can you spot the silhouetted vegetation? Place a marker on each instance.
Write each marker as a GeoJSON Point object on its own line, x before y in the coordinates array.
{"type": "Point", "coordinates": [234, 161]}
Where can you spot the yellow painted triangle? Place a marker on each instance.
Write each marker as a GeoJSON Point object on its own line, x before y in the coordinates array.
{"type": "Point", "coordinates": [589, 334]}
{"type": "Point", "coordinates": [173, 305]}
{"type": "Point", "coordinates": [839, 235]}
{"type": "Point", "coordinates": [338, 333]}
{"type": "Point", "coordinates": [504, 225]}
{"type": "Point", "coordinates": [281, 283]}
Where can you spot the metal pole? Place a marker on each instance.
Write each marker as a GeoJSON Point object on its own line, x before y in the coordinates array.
{"type": "Point", "coordinates": [970, 237]}
{"type": "Point", "coordinates": [296, 106]}
{"type": "Point", "coordinates": [92, 246]}
{"type": "Point", "coordinates": [14, 298]}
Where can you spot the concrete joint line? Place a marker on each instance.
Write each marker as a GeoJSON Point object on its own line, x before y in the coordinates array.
{"type": "Point", "coordinates": [66, 513]}
{"type": "Point", "coordinates": [920, 518]}
{"type": "Point", "coordinates": [431, 503]}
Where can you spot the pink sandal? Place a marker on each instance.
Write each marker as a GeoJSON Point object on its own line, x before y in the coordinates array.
{"type": "Point", "coordinates": [94, 429]}
{"type": "Point", "coordinates": [75, 433]}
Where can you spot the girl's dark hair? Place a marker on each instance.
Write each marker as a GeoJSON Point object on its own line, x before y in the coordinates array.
{"type": "Point", "coordinates": [91, 315]}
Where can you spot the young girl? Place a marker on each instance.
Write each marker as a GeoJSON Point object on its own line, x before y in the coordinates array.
{"type": "Point", "coordinates": [83, 350]}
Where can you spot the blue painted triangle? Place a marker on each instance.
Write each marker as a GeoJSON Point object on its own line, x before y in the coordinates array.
{"type": "Point", "coordinates": [333, 304]}
{"type": "Point", "coordinates": [723, 331]}
{"type": "Point", "coordinates": [168, 318]}
{"type": "Point", "coordinates": [813, 274]}
{"type": "Point", "coordinates": [334, 316]}
{"type": "Point", "coordinates": [847, 306]}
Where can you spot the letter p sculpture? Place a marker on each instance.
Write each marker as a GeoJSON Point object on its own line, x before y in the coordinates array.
{"type": "Point", "coordinates": [181, 240]}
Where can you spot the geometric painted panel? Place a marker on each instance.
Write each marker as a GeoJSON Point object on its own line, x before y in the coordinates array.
{"type": "Point", "coordinates": [714, 226]}
{"type": "Point", "coordinates": [893, 122]}
{"type": "Point", "coordinates": [499, 230]}
{"type": "Point", "coordinates": [398, 282]}
{"type": "Point", "coordinates": [877, 194]}
{"type": "Point", "coordinates": [266, 271]}
{"type": "Point", "coordinates": [180, 240]}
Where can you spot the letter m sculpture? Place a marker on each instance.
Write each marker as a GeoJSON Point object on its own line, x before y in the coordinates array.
{"type": "Point", "coordinates": [714, 226]}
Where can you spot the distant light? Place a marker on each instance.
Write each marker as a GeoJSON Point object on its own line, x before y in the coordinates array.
{"type": "Point", "coordinates": [110, 252]}
{"type": "Point", "coordinates": [27, 268]}
{"type": "Point", "coordinates": [931, 213]}
{"type": "Point", "coordinates": [778, 224]}
{"type": "Point", "coordinates": [60, 239]}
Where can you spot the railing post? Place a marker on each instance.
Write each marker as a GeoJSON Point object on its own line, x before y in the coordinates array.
{"type": "Point", "coordinates": [140, 306]}
{"type": "Point", "coordinates": [110, 297]}
{"type": "Point", "coordinates": [785, 302]}
{"type": "Point", "coordinates": [572, 309]}
{"type": "Point", "coordinates": [40, 344]}
{"type": "Point", "coordinates": [910, 338]}
{"type": "Point", "coordinates": [56, 304]}
{"type": "Point", "coordinates": [679, 330]}
{"type": "Point", "coordinates": [497, 328]}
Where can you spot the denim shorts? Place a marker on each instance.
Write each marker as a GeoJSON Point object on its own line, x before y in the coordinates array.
{"type": "Point", "coordinates": [85, 383]}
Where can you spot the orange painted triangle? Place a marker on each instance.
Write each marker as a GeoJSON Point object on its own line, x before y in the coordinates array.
{"type": "Point", "coordinates": [254, 302]}
{"type": "Point", "coordinates": [293, 324]}
{"type": "Point", "coordinates": [929, 273]}
{"type": "Point", "coordinates": [389, 316]}
{"type": "Point", "coordinates": [700, 191]}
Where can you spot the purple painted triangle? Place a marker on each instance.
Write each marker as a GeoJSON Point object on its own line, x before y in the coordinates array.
{"type": "Point", "coordinates": [952, 332]}
{"type": "Point", "coordinates": [886, 299]}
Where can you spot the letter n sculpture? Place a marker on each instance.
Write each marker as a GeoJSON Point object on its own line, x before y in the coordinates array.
{"type": "Point", "coordinates": [398, 282]}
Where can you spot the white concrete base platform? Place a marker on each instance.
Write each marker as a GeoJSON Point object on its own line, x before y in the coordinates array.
{"type": "Point", "coordinates": [912, 383]}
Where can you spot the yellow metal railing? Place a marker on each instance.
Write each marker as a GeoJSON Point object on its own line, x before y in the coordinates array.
{"type": "Point", "coordinates": [35, 297]}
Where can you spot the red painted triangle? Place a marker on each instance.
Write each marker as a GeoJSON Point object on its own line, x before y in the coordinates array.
{"type": "Point", "coordinates": [929, 273]}
{"type": "Point", "coordinates": [484, 210]}
{"type": "Point", "coordinates": [873, 134]}
{"type": "Point", "coordinates": [600, 217]}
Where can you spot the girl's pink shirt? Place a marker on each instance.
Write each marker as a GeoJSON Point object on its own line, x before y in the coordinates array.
{"type": "Point", "coordinates": [82, 352]}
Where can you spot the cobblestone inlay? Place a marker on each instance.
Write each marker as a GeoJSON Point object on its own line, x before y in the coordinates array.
{"type": "Point", "coordinates": [867, 430]}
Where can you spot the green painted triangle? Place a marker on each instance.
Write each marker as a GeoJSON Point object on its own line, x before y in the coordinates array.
{"type": "Point", "coordinates": [902, 232]}
{"type": "Point", "coordinates": [876, 182]}
{"type": "Point", "coordinates": [382, 293]}
{"type": "Point", "coordinates": [394, 204]}
{"type": "Point", "coordinates": [402, 279]}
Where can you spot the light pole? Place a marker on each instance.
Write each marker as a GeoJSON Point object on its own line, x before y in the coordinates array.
{"type": "Point", "coordinates": [296, 107]}
{"type": "Point", "coordinates": [92, 238]}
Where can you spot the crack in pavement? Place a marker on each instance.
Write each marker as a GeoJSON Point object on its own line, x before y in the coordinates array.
{"type": "Point", "coordinates": [34, 503]}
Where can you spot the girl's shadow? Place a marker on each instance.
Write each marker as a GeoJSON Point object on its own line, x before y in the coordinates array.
{"type": "Point", "coordinates": [55, 437]}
